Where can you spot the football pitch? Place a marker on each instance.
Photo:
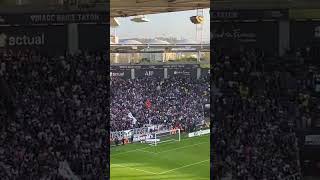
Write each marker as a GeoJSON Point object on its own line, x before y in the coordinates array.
{"type": "Point", "coordinates": [188, 159]}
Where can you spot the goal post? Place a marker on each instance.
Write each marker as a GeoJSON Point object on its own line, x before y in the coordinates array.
{"type": "Point", "coordinates": [164, 136]}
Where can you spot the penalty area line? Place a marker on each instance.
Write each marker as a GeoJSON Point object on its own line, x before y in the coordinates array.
{"type": "Point", "coordinates": [140, 149]}
{"type": "Point", "coordinates": [184, 166]}
{"type": "Point", "coordinates": [141, 170]}
{"type": "Point", "coordinates": [126, 152]}
{"type": "Point", "coordinates": [191, 145]}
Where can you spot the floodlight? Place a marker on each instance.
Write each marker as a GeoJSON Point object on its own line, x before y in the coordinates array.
{"type": "Point", "coordinates": [140, 19]}
{"type": "Point", "coordinates": [197, 19]}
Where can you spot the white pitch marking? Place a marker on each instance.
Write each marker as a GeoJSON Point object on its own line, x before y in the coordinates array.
{"type": "Point", "coordinates": [145, 148]}
{"type": "Point", "coordinates": [184, 166]}
{"type": "Point", "coordinates": [147, 151]}
{"type": "Point", "coordinates": [130, 151]}
{"type": "Point", "coordinates": [191, 145]}
{"type": "Point", "coordinates": [134, 169]}
{"type": "Point", "coordinates": [161, 172]}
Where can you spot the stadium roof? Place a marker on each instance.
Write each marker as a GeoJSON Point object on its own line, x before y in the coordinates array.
{"type": "Point", "coordinates": [157, 41]}
{"type": "Point", "coordinates": [129, 41]}
{"type": "Point", "coordinates": [265, 4]}
{"type": "Point", "coordinates": [125, 8]}
{"type": "Point", "coordinates": [186, 41]}
{"type": "Point", "coordinates": [32, 6]}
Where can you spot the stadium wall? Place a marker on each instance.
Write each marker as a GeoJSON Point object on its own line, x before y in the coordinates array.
{"type": "Point", "coordinates": [254, 34]}
{"type": "Point", "coordinates": [274, 31]}
{"type": "Point", "coordinates": [41, 38]}
{"type": "Point", "coordinates": [55, 32]}
{"type": "Point", "coordinates": [52, 18]}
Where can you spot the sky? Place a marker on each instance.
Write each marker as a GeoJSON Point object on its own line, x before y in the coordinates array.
{"type": "Point", "coordinates": [174, 24]}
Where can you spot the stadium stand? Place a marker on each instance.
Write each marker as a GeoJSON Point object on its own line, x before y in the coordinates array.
{"type": "Point", "coordinates": [61, 104]}
{"type": "Point", "coordinates": [177, 102]}
{"type": "Point", "coordinates": [258, 102]}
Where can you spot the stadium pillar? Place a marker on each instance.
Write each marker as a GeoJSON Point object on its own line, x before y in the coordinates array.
{"type": "Point", "coordinates": [165, 73]}
{"type": "Point", "coordinates": [284, 36]}
{"type": "Point", "coordinates": [198, 73]}
{"type": "Point", "coordinates": [164, 56]}
{"type": "Point", "coordinates": [73, 38]}
{"type": "Point", "coordinates": [132, 74]}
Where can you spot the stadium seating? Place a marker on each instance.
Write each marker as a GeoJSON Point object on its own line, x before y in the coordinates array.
{"type": "Point", "coordinates": [174, 102]}
{"type": "Point", "coordinates": [61, 105]}
{"type": "Point", "coordinates": [258, 101]}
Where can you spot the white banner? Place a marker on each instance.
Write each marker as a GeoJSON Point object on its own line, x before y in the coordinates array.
{"type": "Point", "coordinates": [152, 140]}
{"type": "Point", "coordinates": [139, 137]}
{"type": "Point", "coordinates": [199, 133]}
{"type": "Point", "coordinates": [134, 120]}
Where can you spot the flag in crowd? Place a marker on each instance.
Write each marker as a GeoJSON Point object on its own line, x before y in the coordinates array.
{"type": "Point", "coordinates": [148, 104]}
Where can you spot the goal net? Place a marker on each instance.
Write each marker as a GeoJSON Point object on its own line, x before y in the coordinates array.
{"type": "Point", "coordinates": [164, 136]}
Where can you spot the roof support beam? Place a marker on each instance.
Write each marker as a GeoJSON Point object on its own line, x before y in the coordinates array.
{"type": "Point", "coordinates": [120, 8]}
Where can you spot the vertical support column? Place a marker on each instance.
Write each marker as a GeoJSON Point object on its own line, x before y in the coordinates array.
{"type": "Point", "coordinates": [198, 73]}
{"type": "Point", "coordinates": [284, 36]}
{"type": "Point", "coordinates": [133, 74]}
{"type": "Point", "coordinates": [198, 56]}
{"type": "Point", "coordinates": [73, 38]}
{"type": "Point", "coordinates": [130, 59]}
{"type": "Point", "coordinates": [165, 73]}
{"type": "Point", "coordinates": [164, 57]}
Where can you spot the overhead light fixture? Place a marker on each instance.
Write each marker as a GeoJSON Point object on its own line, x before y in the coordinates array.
{"type": "Point", "coordinates": [197, 19]}
{"type": "Point", "coordinates": [140, 19]}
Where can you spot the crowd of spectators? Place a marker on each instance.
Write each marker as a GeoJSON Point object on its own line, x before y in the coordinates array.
{"type": "Point", "coordinates": [176, 101]}
{"type": "Point", "coordinates": [55, 120]}
{"type": "Point", "coordinates": [58, 127]}
{"type": "Point", "coordinates": [257, 103]}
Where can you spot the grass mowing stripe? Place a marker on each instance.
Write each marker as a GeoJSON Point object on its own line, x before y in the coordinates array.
{"type": "Point", "coordinates": [185, 166]}
{"type": "Point", "coordinates": [185, 139]}
{"type": "Point", "coordinates": [161, 172]}
{"type": "Point", "coordinates": [126, 152]}
{"type": "Point", "coordinates": [181, 147]}
{"type": "Point", "coordinates": [147, 151]}
{"type": "Point", "coordinates": [173, 161]}
{"type": "Point", "coordinates": [134, 169]}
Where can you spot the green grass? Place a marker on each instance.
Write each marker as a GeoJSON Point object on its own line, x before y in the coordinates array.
{"type": "Point", "coordinates": [184, 160]}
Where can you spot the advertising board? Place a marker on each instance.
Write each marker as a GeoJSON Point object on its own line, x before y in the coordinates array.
{"type": "Point", "coordinates": [259, 34]}
{"type": "Point", "coordinates": [41, 38]}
